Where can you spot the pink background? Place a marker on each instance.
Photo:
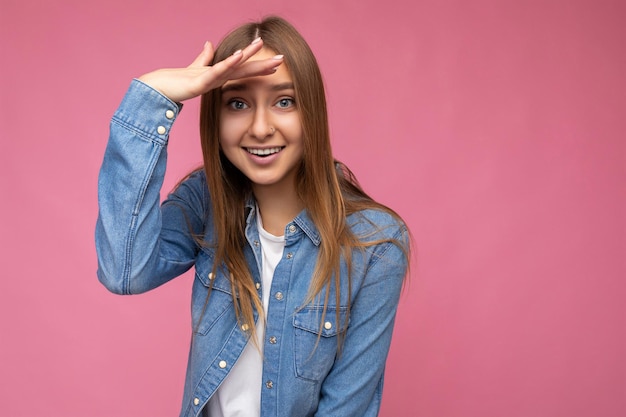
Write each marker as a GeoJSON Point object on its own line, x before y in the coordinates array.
{"type": "Point", "coordinates": [496, 128]}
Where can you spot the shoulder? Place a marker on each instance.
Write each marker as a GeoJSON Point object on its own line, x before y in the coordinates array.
{"type": "Point", "coordinates": [384, 242]}
{"type": "Point", "coordinates": [195, 181]}
{"type": "Point", "coordinates": [191, 189]}
{"type": "Point", "coordinates": [377, 224]}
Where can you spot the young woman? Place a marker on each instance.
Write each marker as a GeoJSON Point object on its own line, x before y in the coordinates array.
{"type": "Point", "coordinates": [297, 271]}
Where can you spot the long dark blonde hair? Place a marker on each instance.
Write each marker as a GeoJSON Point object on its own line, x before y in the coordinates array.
{"type": "Point", "coordinates": [327, 188]}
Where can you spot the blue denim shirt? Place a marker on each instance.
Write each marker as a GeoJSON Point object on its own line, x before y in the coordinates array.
{"type": "Point", "coordinates": [142, 244]}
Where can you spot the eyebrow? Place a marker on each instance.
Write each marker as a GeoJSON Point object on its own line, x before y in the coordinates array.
{"type": "Point", "coordinates": [244, 86]}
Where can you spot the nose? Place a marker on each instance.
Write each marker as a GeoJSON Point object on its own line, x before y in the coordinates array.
{"type": "Point", "coordinates": [260, 126]}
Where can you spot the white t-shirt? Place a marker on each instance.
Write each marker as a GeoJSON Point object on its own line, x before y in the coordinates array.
{"type": "Point", "coordinates": [240, 393]}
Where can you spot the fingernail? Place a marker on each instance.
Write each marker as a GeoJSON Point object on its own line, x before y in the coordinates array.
{"type": "Point", "coordinates": [257, 40]}
{"type": "Point", "coordinates": [237, 52]}
{"type": "Point", "coordinates": [278, 57]}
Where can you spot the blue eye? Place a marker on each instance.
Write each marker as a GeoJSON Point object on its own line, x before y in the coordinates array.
{"type": "Point", "coordinates": [237, 104]}
{"type": "Point", "coordinates": [285, 103]}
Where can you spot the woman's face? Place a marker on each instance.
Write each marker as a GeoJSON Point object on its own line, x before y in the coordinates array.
{"type": "Point", "coordinates": [260, 128]}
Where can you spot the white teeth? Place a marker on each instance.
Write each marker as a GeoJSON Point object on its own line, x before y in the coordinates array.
{"type": "Point", "coordinates": [263, 152]}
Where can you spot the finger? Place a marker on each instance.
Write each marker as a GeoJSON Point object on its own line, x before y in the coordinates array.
{"type": "Point", "coordinates": [240, 56]}
{"type": "Point", "coordinates": [256, 68]}
{"type": "Point", "coordinates": [246, 70]}
{"type": "Point", "coordinates": [210, 78]}
{"type": "Point", "coordinates": [205, 56]}
{"type": "Point", "coordinates": [255, 46]}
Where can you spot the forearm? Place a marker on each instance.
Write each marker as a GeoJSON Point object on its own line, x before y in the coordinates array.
{"type": "Point", "coordinates": [129, 184]}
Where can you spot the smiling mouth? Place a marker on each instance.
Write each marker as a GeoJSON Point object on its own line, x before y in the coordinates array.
{"type": "Point", "coordinates": [264, 152]}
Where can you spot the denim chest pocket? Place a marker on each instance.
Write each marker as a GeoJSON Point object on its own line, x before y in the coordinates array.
{"type": "Point", "coordinates": [220, 299]}
{"type": "Point", "coordinates": [316, 340]}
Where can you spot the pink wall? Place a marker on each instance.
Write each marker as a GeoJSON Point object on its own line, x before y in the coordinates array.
{"type": "Point", "coordinates": [496, 128]}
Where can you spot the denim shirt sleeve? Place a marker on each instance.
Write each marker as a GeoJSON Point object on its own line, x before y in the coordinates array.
{"type": "Point", "coordinates": [355, 383]}
{"type": "Point", "coordinates": [139, 245]}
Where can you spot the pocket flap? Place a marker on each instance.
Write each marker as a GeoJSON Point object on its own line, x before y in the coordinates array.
{"type": "Point", "coordinates": [310, 319]}
{"type": "Point", "coordinates": [204, 267]}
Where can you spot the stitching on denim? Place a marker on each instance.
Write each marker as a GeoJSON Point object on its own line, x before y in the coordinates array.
{"type": "Point", "coordinates": [135, 217]}
{"type": "Point", "coordinates": [139, 132]}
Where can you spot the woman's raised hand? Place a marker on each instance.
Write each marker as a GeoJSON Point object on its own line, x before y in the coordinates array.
{"type": "Point", "coordinates": [180, 84]}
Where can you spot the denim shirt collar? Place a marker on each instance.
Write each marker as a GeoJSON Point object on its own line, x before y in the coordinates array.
{"type": "Point", "coordinates": [302, 220]}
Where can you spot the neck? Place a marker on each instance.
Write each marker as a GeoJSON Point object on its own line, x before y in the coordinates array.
{"type": "Point", "coordinates": [278, 206]}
